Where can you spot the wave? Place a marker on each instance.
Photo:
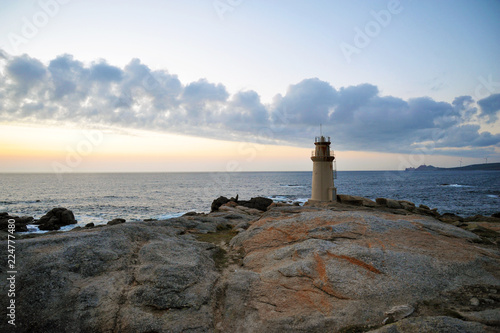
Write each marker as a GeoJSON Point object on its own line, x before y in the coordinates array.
{"type": "Point", "coordinates": [455, 185]}
{"type": "Point", "coordinates": [285, 199]}
{"type": "Point", "coordinates": [169, 216]}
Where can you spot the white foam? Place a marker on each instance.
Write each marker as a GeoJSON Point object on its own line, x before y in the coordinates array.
{"type": "Point", "coordinates": [279, 198]}
{"type": "Point", "coordinates": [455, 185]}
{"type": "Point", "coordinates": [33, 229]}
{"type": "Point", "coordinates": [169, 216]}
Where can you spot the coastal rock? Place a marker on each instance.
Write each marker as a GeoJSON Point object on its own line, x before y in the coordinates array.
{"type": "Point", "coordinates": [397, 313]}
{"type": "Point", "coordinates": [116, 221]}
{"type": "Point", "coordinates": [338, 268]}
{"type": "Point", "coordinates": [409, 206]}
{"type": "Point", "coordinates": [319, 270]}
{"type": "Point", "coordinates": [20, 222]}
{"type": "Point", "coordinates": [55, 219]}
{"type": "Point", "coordinates": [450, 218]}
{"type": "Point", "coordinates": [432, 325]}
{"type": "Point", "coordinates": [355, 200]}
{"type": "Point", "coordinates": [489, 317]}
{"type": "Point", "coordinates": [389, 203]}
{"type": "Point", "coordinates": [482, 218]}
{"type": "Point", "coordinates": [218, 202]}
{"type": "Point", "coordinates": [259, 203]}
{"type": "Point", "coordinates": [134, 277]}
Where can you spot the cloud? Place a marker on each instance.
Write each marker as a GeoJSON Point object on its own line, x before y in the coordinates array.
{"type": "Point", "coordinates": [26, 72]}
{"type": "Point", "coordinates": [103, 72]}
{"type": "Point", "coordinates": [356, 117]}
{"type": "Point", "coordinates": [490, 106]}
{"type": "Point", "coordinates": [306, 103]}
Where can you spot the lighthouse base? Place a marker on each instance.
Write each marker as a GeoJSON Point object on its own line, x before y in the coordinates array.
{"type": "Point", "coordinates": [330, 196]}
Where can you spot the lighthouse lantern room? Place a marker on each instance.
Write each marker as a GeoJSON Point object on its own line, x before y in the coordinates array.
{"type": "Point", "coordinates": [323, 172]}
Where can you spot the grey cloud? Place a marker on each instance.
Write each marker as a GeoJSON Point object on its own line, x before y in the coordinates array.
{"type": "Point", "coordinates": [468, 136]}
{"type": "Point", "coordinates": [356, 117]}
{"type": "Point", "coordinates": [351, 99]}
{"type": "Point", "coordinates": [105, 73]}
{"type": "Point", "coordinates": [67, 74]}
{"type": "Point", "coordinates": [307, 103]}
{"type": "Point", "coordinates": [464, 106]}
{"type": "Point", "coordinates": [26, 72]}
{"type": "Point", "coordinates": [245, 109]}
{"type": "Point", "coordinates": [490, 106]}
{"type": "Point", "coordinates": [202, 91]}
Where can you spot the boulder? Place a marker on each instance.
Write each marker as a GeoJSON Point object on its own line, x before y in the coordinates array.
{"type": "Point", "coordinates": [482, 218]}
{"type": "Point", "coordinates": [259, 203]}
{"type": "Point", "coordinates": [389, 203]}
{"type": "Point", "coordinates": [450, 218]}
{"type": "Point", "coordinates": [116, 221]}
{"type": "Point", "coordinates": [355, 200]}
{"type": "Point", "coordinates": [409, 206]}
{"type": "Point", "coordinates": [55, 219]}
{"type": "Point", "coordinates": [218, 202]}
{"type": "Point", "coordinates": [20, 222]}
{"type": "Point", "coordinates": [190, 214]}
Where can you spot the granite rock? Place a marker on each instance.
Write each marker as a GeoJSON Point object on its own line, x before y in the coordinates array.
{"type": "Point", "coordinates": [56, 218]}
{"type": "Point", "coordinates": [318, 270]}
{"type": "Point", "coordinates": [339, 268]}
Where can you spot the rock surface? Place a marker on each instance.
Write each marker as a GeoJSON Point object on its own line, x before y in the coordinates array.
{"type": "Point", "coordinates": [116, 221]}
{"type": "Point", "coordinates": [338, 268]}
{"type": "Point", "coordinates": [20, 222]}
{"type": "Point", "coordinates": [55, 219]}
{"type": "Point", "coordinates": [317, 270]}
{"type": "Point", "coordinates": [259, 203]}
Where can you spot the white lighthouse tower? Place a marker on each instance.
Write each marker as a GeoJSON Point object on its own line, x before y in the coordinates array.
{"type": "Point", "coordinates": [323, 172]}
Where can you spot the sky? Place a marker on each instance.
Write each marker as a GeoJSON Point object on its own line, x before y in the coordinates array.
{"type": "Point", "coordinates": [246, 85]}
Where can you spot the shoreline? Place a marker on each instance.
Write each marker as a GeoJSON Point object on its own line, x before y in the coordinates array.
{"type": "Point", "coordinates": [349, 200]}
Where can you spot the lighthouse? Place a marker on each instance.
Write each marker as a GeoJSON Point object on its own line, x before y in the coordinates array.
{"type": "Point", "coordinates": [323, 172]}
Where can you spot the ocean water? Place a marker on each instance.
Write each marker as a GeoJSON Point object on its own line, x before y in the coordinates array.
{"type": "Point", "coordinates": [99, 198]}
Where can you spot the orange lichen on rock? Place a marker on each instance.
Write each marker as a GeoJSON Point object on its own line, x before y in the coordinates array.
{"type": "Point", "coordinates": [356, 262]}
{"type": "Point", "coordinates": [290, 297]}
{"type": "Point", "coordinates": [322, 281]}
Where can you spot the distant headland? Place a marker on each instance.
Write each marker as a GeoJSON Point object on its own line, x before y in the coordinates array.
{"type": "Point", "coordinates": [484, 166]}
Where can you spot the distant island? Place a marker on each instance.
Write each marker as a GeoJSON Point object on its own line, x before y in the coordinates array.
{"type": "Point", "coordinates": [483, 166]}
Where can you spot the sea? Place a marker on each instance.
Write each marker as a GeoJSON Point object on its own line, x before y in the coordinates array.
{"type": "Point", "coordinates": [101, 197]}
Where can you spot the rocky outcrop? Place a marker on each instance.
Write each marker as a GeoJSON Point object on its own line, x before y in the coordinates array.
{"type": "Point", "coordinates": [116, 221]}
{"type": "Point", "coordinates": [355, 200]}
{"type": "Point", "coordinates": [338, 268]}
{"type": "Point", "coordinates": [130, 277]}
{"type": "Point", "coordinates": [317, 270]}
{"type": "Point", "coordinates": [55, 219]}
{"type": "Point", "coordinates": [259, 203]}
{"type": "Point", "coordinates": [20, 222]}
{"type": "Point", "coordinates": [217, 203]}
